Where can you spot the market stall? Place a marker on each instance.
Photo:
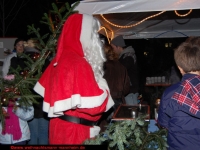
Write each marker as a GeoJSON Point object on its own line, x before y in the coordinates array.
{"type": "Point", "coordinates": [135, 19]}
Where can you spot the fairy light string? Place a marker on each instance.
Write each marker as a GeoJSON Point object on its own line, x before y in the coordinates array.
{"type": "Point", "coordinates": [112, 33]}
{"type": "Point", "coordinates": [183, 14]}
{"type": "Point", "coordinates": [132, 25]}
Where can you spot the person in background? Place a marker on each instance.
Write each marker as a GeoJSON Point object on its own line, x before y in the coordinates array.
{"type": "Point", "coordinates": [75, 93]}
{"type": "Point", "coordinates": [118, 82]}
{"type": "Point", "coordinates": [14, 58]}
{"type": "Point", "coordinates": [39, 125]}
{"type": "Point", "coordinates": [16, 130]}
{"type": "Point", "coordinates": [128, 59]}
{"type": "Point", "coordinates": [16, 127]}
{"type": "Point", "coordinates": [179, 110]}
{"type": "Point", "coordinates": [116, 76]}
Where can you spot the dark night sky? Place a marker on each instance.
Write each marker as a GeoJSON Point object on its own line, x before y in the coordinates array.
{"type": "Point", "coordinates": [30, 14]}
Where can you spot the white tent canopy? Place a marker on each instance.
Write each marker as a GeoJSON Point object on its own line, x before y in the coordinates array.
{"type": "Point", "coordinates": [124, 13]}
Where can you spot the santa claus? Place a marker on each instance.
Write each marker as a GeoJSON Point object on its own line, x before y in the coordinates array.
{"type": "Point", "coordinates": [75, 93]}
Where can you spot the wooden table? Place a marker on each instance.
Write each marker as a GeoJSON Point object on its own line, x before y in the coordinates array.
{"type": "Point", "coordinates": [124, 112]}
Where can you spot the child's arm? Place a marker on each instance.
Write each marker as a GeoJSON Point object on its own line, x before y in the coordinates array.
{"type": "Point", "coordinates": [25, 113]}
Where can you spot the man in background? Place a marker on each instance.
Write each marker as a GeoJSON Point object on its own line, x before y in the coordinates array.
{"type": "Point", "coordinates": [128, 58]}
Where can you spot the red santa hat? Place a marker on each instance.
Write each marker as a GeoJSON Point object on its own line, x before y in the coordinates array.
{"type": "Point", "coordinates": [69, 82]}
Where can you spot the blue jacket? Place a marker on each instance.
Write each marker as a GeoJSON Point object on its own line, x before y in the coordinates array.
{"type": "Point", "coordinates": [183, 127]}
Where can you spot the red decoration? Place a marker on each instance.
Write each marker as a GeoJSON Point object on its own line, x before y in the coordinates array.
{"type": "Point", "coordinates": [24, 73]}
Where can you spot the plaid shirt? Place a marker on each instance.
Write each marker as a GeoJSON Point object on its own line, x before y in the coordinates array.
{"type": "Point", "coordinates": [189, 94]}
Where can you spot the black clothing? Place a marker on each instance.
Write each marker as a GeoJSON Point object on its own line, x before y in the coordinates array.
{"type": "Point", "coordinates": [20, 61]}
{"type": "Point", "coordinates": [132, 70]}
{"type": "Point", "coordinates": [38, 111]}
{"type": "Point", "coordinates": [129, 61]}
{"type": "Point", "coordinates": [117, 78]}
{"type": "Point", "coordinates": [15, 62]}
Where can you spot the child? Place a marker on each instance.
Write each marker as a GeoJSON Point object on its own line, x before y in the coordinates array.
{"type": "Point", "coordinates": [179, 110]}
{"type": "Point", "coordinates": [16, 129]}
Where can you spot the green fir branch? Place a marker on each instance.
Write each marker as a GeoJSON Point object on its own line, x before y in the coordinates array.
{"type": "Point", "coordinates": [131, 135]}
{"type": "Point", "coordinates": [21, 87]}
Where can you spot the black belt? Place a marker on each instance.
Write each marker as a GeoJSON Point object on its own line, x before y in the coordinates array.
{"type": "Point", "coordinates": [78, 120]}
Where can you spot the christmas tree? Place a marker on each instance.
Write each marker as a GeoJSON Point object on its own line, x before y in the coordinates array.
{"type": "Point", "coordinates": [19, 85]}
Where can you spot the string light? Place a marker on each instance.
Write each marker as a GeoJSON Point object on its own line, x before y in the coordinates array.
{"type": "Point", "coordinates": [184, 14]}
{"type": "Point", "coordinates": [129, 26]}
{"type": "Point", "coordinates": [112, 33]}
{"type": "Point", "coordinates": [132, 25]}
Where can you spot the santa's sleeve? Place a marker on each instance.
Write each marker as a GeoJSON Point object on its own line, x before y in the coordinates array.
{"type": "Point", "coordinates": [104, 106]}
{"type": "Point", "coordinates": [104, 86]}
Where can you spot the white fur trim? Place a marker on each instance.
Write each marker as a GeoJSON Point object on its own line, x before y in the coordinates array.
{"type": "Point", "coordinates": [110, 102]}
{"type": "Point", "coordinates": [50, 110]}
{"type": "Point", "coordinates": [71, 103]}
{"type": "Point", "coordinates": [94, 131]}
{"type": "Point", "coordinates": [81, 102]}
{"type": "Point", "coordinates": [38, 88]}
{"type": "Point", "coordinates": [103, 85]}
{"type": "Point", "coordinates": [86, 31]}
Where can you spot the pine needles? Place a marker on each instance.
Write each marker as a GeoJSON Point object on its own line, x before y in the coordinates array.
{"type": "Point", "coordinates": [131, 135]}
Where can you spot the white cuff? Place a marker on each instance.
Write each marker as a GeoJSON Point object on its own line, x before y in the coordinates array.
{"type": "Point", "coordinates": [94, 131]}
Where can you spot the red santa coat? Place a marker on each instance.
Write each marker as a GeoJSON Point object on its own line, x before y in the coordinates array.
{"type": "Point", "coordinates": [69, 87]}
